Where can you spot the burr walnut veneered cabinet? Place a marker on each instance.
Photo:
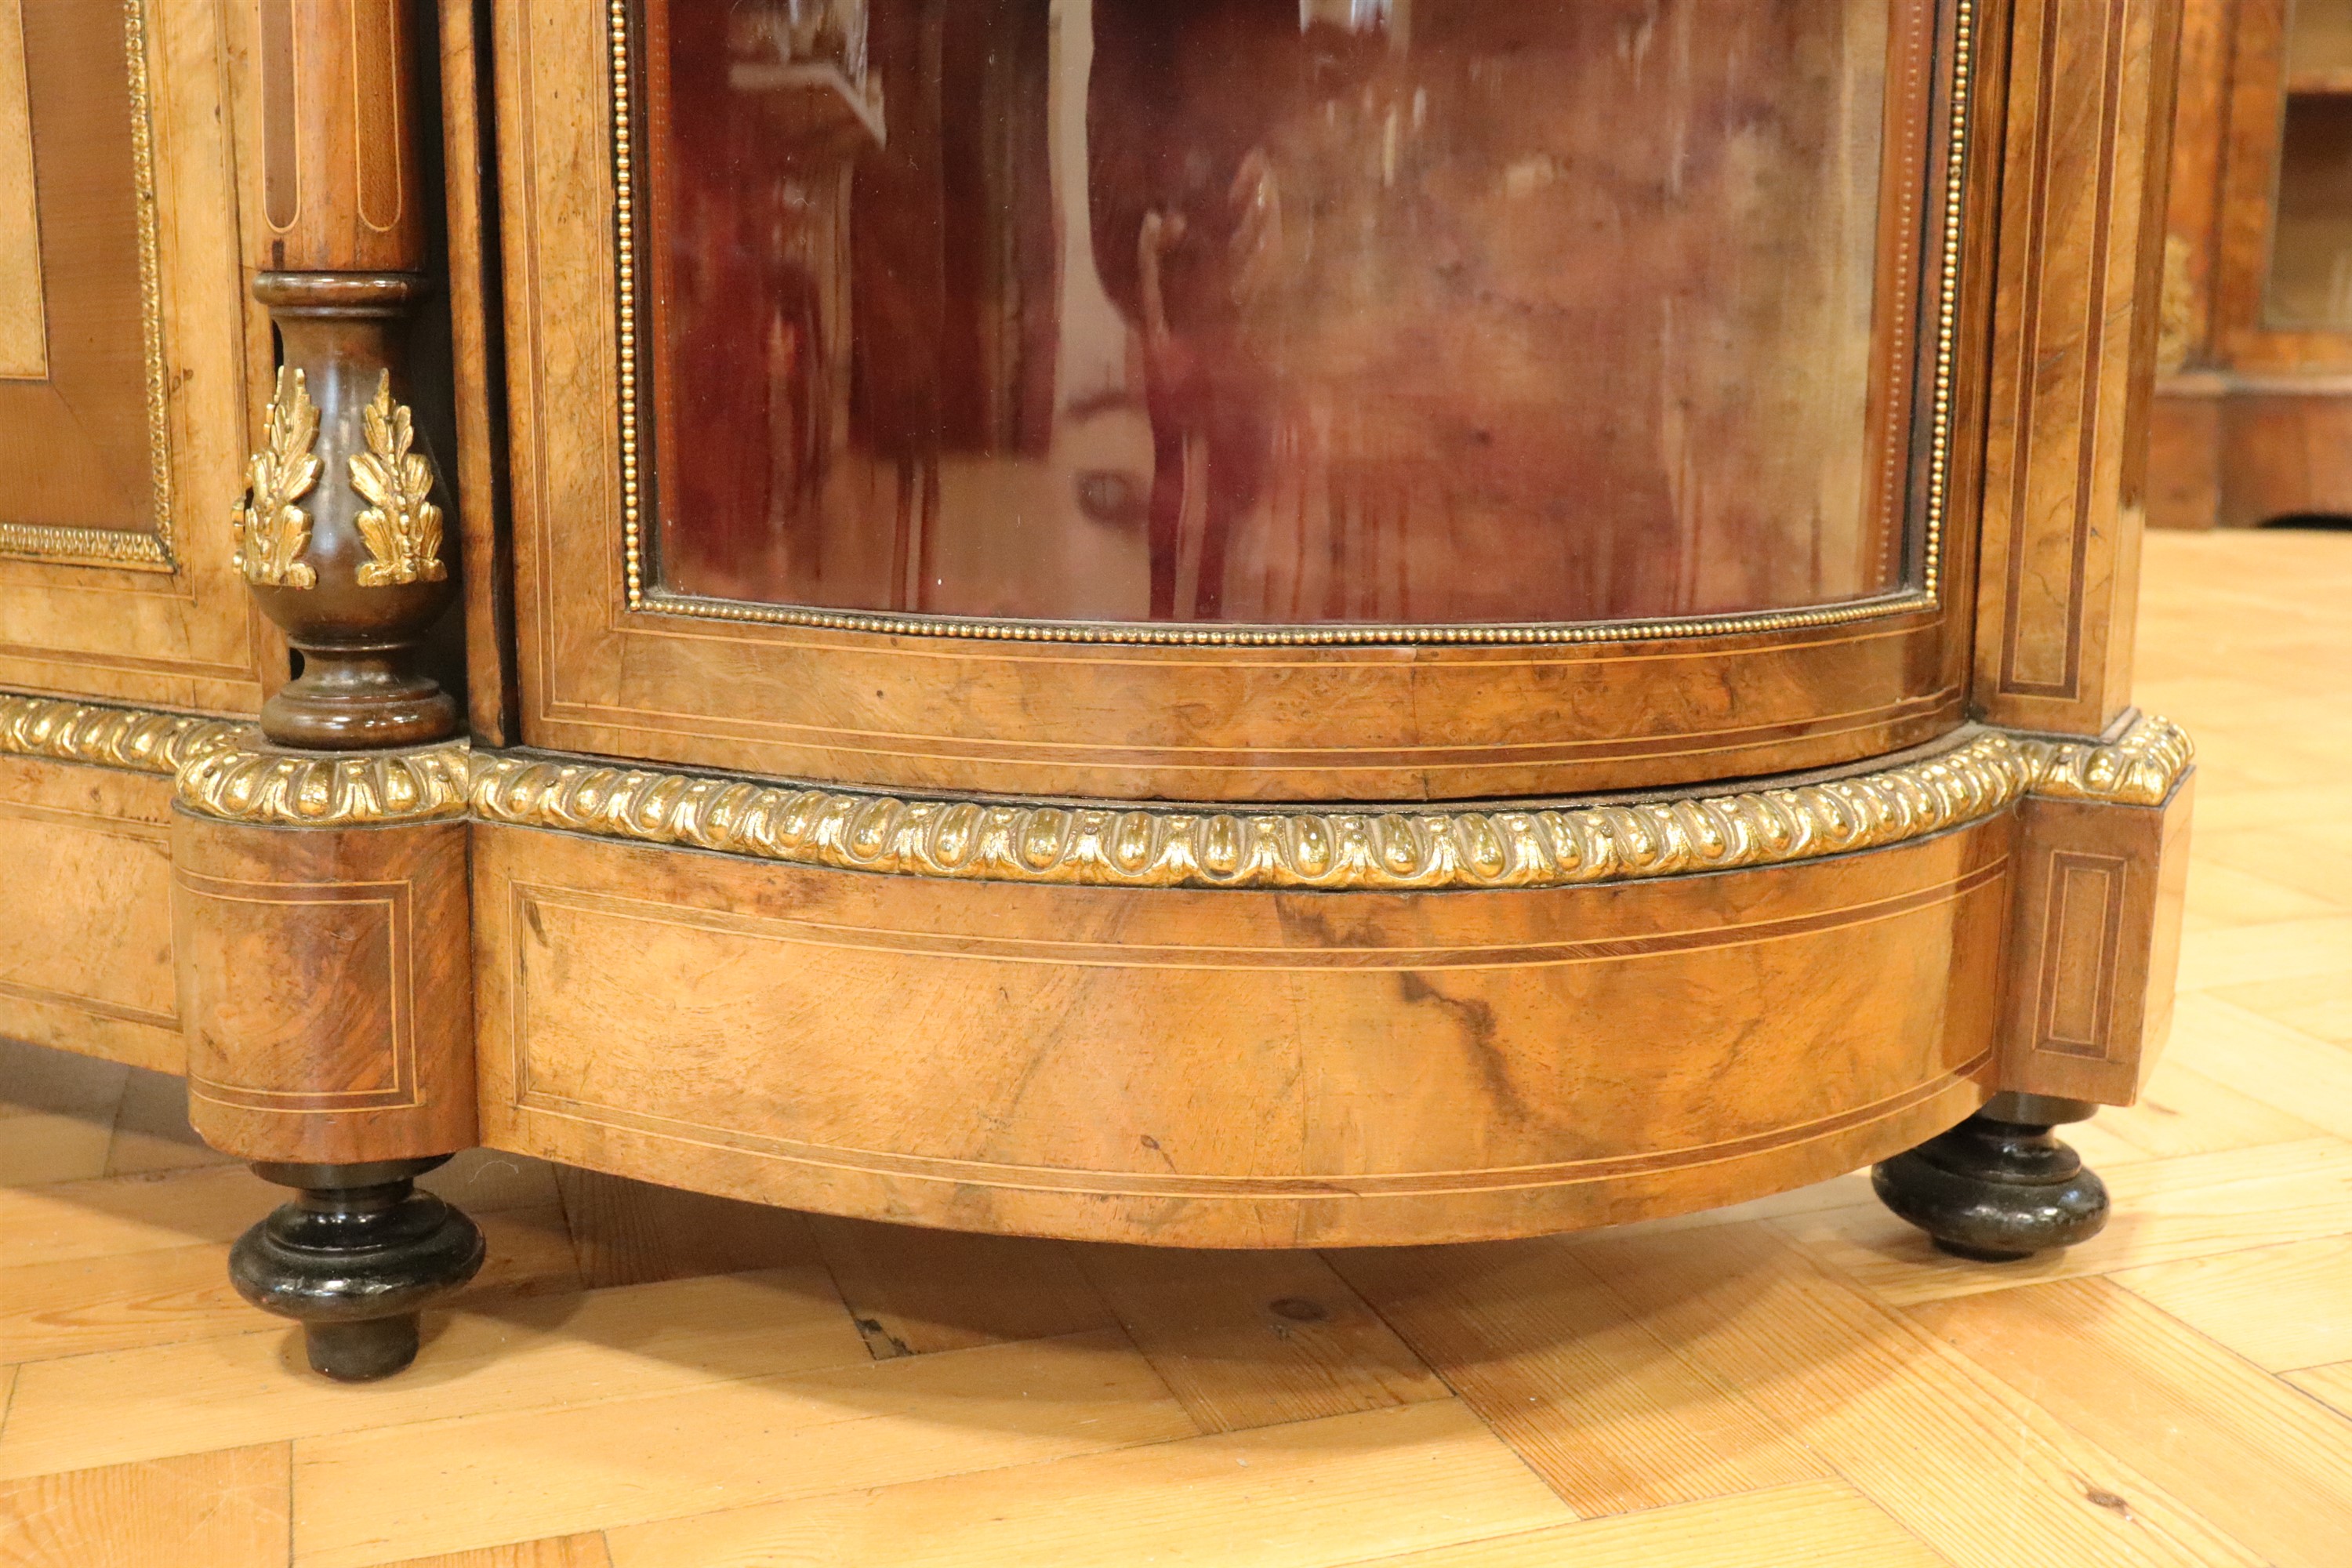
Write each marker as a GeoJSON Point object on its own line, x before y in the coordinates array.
{"type": "Point", "coordinates": [1218, 623]}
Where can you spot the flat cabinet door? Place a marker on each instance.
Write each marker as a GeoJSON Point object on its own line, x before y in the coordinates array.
{"type": "Point", "coordinates": [123, 356]}
{"type": "Point", "coordinates": [1243, 399]}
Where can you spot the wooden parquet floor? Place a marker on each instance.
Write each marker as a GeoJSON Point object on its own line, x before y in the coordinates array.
{"type": "Point", "coordinates": [647, 1379]}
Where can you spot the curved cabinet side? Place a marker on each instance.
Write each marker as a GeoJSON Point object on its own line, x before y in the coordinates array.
{"type": "Point", "coordinates": [1232, 1069]}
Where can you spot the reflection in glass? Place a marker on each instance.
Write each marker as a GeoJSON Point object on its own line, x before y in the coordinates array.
{"type": "Point", "coordinates": [1272, 310]}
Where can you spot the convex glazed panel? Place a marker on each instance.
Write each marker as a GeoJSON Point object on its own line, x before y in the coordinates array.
{"type": "Point", "coordinates": [1286, 312]}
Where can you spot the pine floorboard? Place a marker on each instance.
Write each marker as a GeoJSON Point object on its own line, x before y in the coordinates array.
{"type": "Point", "coordinates": [654, 1379]}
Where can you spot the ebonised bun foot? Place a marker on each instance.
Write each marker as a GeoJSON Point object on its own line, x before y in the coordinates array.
{"type": "Point", "coordinates": [353, 1259]}
{"type": "Point", "coordinates": [1994, 1190]}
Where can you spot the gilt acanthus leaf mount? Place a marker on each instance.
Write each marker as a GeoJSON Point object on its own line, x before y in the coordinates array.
{"type": "Point", "coordinates": [272, 532]}
{"type": "Point", "coordinates": [401, 528]}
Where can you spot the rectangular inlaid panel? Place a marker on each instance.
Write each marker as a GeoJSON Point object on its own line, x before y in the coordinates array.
{"type": "Point", "coordinates": [256, 1029]}
{"type": "Point", "coordinates": [2095, 940]}
{"type": "Point", "coordinates": [2084, 922]}
{"type": "Point", "coordinates": [86, 946]}
{"type": "Point", "coordinates": [23, 323]}
{"type": "Point", "coordinates": [325, 978]}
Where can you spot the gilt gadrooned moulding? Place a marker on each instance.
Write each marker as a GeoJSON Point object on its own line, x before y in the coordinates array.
{"type": "Point", "coordinates": [137, 740]}
{"type": "Point", "coordinates": [1530, 846]}
{"type": "Point", "coordinates": [2139, 768]}
{"type": "Point", "coordinates": [247, 781]}
{"type": "Point", "coordinates": [227, 770]}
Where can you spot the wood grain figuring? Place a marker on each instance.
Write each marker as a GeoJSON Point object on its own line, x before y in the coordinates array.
{"type": "Point", "coordinates": [323, 978]}
{"type": "Point", "coordinates": [1956, 1458]}
{"type": "Point", "coordinates": [557, 1552]}
{"type": "Point", "coordinates": [2257, 1459]}
{"type": "Point", "coordinates": [2182, 1111]}
{"type": "Point", "coordinates": [221, 1509]}
{"type": "Point", "coordinates": [2090, 102]}
{"type": "Point", "coordinates": [88, 964]}
{"type": "Point", "coordinates": [2094, 945]}
{"type": "Point", "coordinates": [1344, 1489]}
{"type": "Point", "coordinates": [66, 1220]}
{"type": "Point", "coordinates": [1575, 1057]}
{"type": "Point", "coordinates": [1818, 1525]}
{"type": "Point", "coordinates": [24, 307]}
{"type": "Point", "coordinates": [806, 1436]}
{"type": "Point", "coordinates": [2331, 1385]}
{"type": "Point", "coordinates": [520, 1354]}
{"type": "Point", "coordinates": [2314, 1006]}
{"type": "Point", "coordinates": [2274, 1063]}
{"type": "Point", "coordinates": [1540, 1349]}
{"type": "Point", "coordinates": [167, 1294]}
{"type": "Point", "coordinates": [2282, 1306]}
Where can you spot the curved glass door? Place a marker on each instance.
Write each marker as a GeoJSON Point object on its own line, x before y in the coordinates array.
{"type": "Point", "coordinates": [1283, 311]}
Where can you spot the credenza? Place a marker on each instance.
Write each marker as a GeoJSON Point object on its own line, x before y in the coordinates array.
{"type": "Point", "coordinates": [1200, 622]}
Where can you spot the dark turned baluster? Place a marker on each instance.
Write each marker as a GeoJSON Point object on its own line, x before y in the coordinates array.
{"type": "Point", "coordinates": [371, 580]}
{"type": "Point", "coordinates": [354, 1258]}
{"type": "Point", "coordinates": [341, 540]}
{"type": "Point", "coordinates": [1998, 1187]}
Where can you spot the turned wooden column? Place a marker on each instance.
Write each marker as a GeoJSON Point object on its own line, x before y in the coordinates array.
{"type": "Point", "coordinates": [342, 536]}
{"type": "Point", "coordinates": [319, 864]}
